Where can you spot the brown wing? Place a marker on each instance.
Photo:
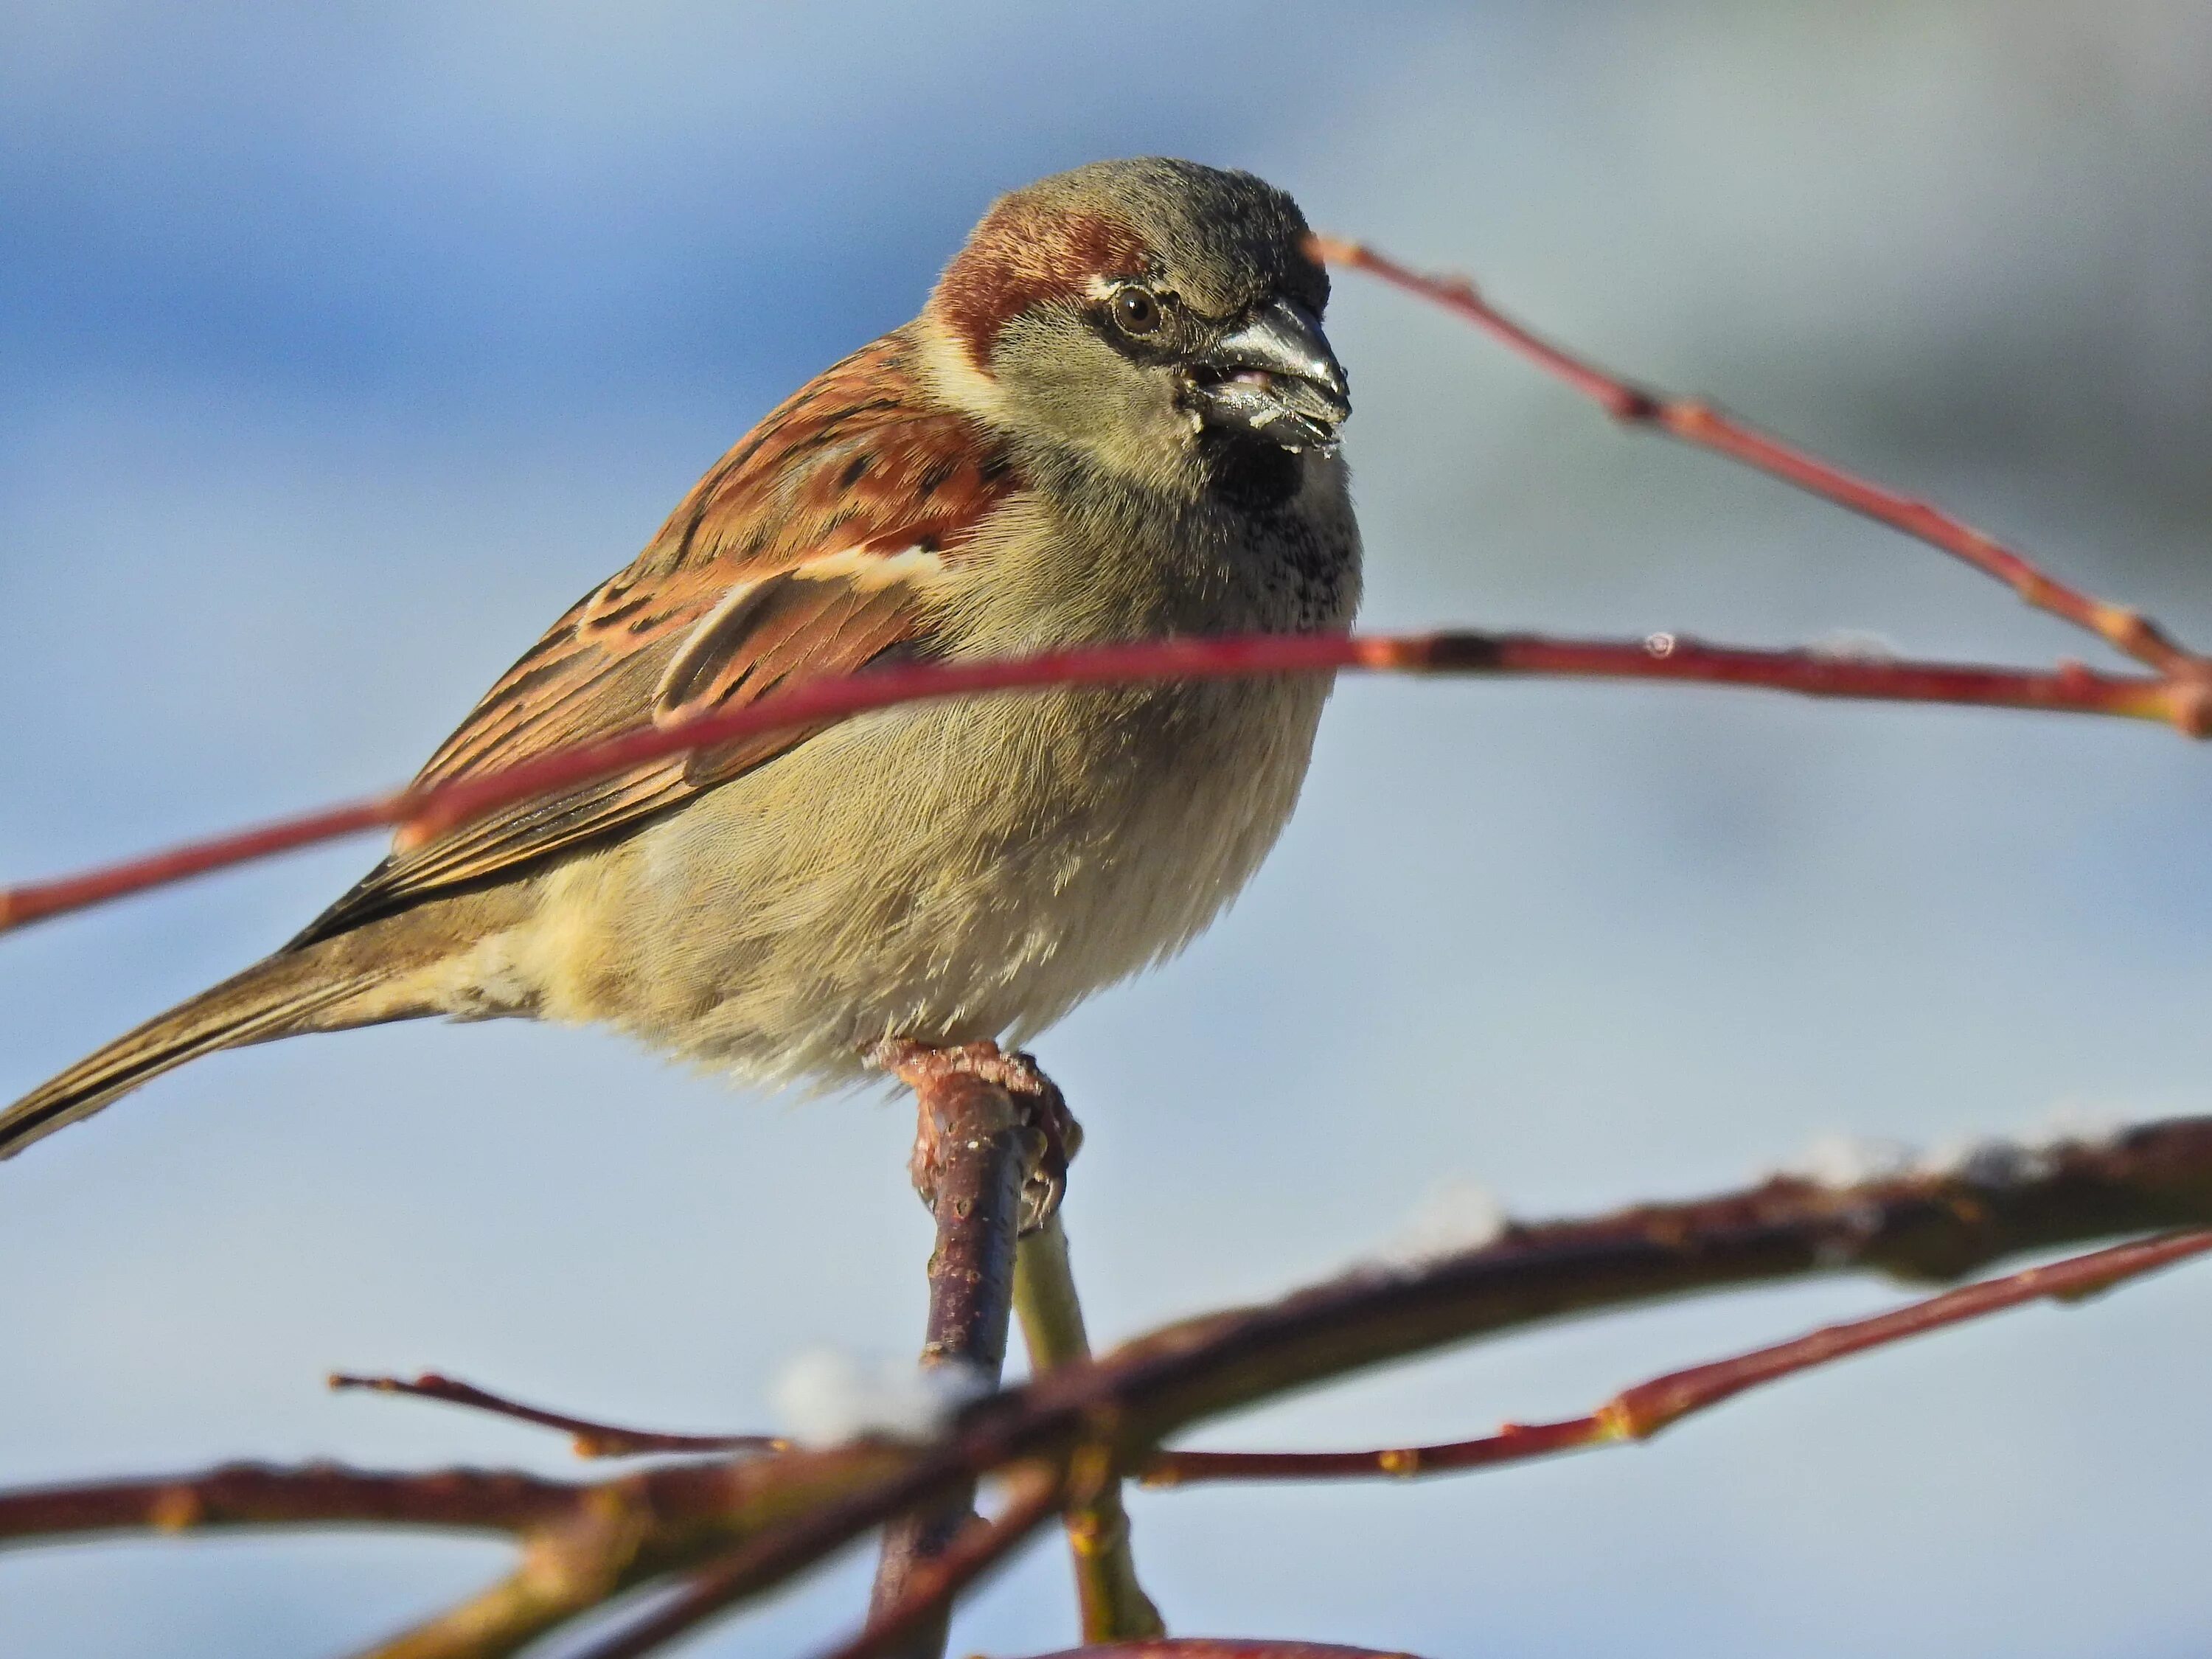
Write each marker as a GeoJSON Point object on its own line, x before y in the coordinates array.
{"type": "Point", "coordinates": [813, 548]}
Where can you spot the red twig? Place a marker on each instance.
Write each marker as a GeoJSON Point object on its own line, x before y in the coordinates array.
{"type": "Point", "coordinates": [1642, 1410]}
{"type": "Point", "coordinates": [256, 1495]}
{"type": "Point", "coordinates": [929, 1588]}
{"type": "Point", "coordinates": [1700, 424]}
{"type": "Point", "coordinates": [592, 1439]}
{"type": "Point", "coordinates": [423, 814]}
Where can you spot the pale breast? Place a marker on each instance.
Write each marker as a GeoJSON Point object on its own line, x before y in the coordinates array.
{"type": "Point", "coordinates": [948, 872]}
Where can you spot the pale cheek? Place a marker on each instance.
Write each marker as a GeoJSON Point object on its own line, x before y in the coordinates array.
{"type": "Point", "coordinates": [1148, 431]}
{"type": "Point", "coordinates": [1155, 411]}
{"type": "Point", "coordinates": [1065, 382]}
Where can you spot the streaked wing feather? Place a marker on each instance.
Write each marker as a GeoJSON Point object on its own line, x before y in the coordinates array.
{"type": "Point", "coordinates": [805, 551]}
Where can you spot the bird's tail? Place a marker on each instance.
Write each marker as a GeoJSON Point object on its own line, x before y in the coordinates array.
{"type": "Point", "coordinates": [293, 991]}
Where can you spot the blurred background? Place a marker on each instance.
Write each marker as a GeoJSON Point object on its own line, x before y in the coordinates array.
{"type": "Point", "coordinates": [341, 347]}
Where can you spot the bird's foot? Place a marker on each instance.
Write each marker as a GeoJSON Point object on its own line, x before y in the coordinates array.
{"type": "Point", "coordinates": [1025, 1098]}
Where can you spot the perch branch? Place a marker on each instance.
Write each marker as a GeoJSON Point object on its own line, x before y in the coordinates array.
{"type": "Point", "coordinates": [1705, 427]}
{"type": "Point", "coordinates": [420, 815]}
{"type": "Point", "coordinates": [976, 1150]}
{"type": "Point", "coordinates": [1639, 1412]}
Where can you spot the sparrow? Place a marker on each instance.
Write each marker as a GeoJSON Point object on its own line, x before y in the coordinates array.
{"type": "Point", "coordinates": [1115, 418]}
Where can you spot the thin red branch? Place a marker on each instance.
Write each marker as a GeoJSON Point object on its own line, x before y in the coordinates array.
{"type": "Point", "coordinates": [1639, 1412]}
{"type": "Point", "coordinates": [1705, 427]}
{"type": "Point", "coordinates": [592, 1439]}
{"type": "Point", "coordinates": [254, 1495]}
{"type": "Point", "coordinates": [926, 1594]}
{"type": "Point", "coordinates": [421, 815]}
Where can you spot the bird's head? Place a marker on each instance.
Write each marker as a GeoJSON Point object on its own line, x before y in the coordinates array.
{"type": "Point", "coordinates": [1143, 313]}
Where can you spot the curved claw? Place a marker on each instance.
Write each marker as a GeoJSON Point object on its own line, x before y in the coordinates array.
{"type": "Point", "coordinates": [1034, 1098]}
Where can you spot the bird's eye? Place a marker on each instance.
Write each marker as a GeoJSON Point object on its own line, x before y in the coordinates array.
{"type": "Point", "coordinates": [1137, 310]}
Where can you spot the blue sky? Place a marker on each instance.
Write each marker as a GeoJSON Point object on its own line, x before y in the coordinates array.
{"type": "Point", "coordinates": [341, 347]}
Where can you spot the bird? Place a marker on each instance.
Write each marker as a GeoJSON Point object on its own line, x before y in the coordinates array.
{"type": "Point", "coordinates": [1115, 417]}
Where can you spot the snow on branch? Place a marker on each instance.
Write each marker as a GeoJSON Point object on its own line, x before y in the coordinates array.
{"type": "Point", "coordinates": [725, 1530]}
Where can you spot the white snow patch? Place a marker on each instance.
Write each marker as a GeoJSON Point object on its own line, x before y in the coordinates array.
{"type": "Point", "coordinates": [1455, 1214]}
{"type": "Point", "coordinates": [2076, 1123]}
{"type": "Point", "coordinates": [1855, 645]}
{"type": "Point", "coordinates": [1840, 1160]}
{"type": "Point", "coordinates": [1837, 1161]}
{"type": "Point", "coordinates": [825, 1397]}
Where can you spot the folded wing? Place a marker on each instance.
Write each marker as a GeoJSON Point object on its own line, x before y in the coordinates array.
{"type": "Point", "coordinates": [822, 543]}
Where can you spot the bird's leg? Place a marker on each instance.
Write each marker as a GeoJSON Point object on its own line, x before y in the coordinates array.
{"type": "Point", "coordinates": [932, 1072]}
{"type": "Point", "coordinates": [1114, 1605]}
{"type": "Point", "coordinates": [991, 1145]}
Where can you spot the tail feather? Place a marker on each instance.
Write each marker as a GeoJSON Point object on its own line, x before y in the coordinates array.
{"type": "Point", "coordinates": [276, 997]}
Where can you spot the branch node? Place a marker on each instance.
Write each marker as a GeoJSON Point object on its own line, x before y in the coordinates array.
{"type": "Point", "coordinates": [1633, 405]}
{"type": "Point", "coordinates": [2189, 700]}
{"type": "Point", "coordinates": [176, 1508]}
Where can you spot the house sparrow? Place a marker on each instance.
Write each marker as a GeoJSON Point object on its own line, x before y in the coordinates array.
{"type": "Point", "coordinates": [1115, 418]}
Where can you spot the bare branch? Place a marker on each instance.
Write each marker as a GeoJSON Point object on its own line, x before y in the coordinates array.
{"type": "Point", "coordinates": [618, 1534]}
{"type": "Point", "coordinates": [733, 1529]}
{"type": "Point", "coordinates": [1113, 1602]}
{"type": "Point", "coordinates": [773, 1557]}
{"type": "Point", "coordinates": [241, 1495]}
{"type": "Point", "coordinates": [1128, 1402]}
{"type": "Point", "coordinates": [1641, 1412]}
{"type": "Point", "coordinates": [421, 816]}
{"type": "Point", "coordinates": [566, 1570]}
{"type": "Point", "coordinates": [928, 1589]}
{"type": "Point", "coordinates": [1704, 426]}
{"type": "Point", "coordinates": [592, 1439]}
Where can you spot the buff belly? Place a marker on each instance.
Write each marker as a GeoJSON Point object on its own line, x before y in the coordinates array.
{"type": "Point", "coordinates": [944, 873]}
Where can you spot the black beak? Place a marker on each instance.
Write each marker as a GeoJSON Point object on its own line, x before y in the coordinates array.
{"type": "Point", "coordinates": [1274, 376]}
